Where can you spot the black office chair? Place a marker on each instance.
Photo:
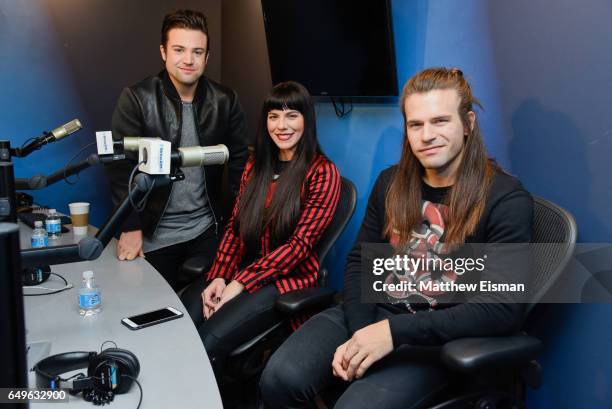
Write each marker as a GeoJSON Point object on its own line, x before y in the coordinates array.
{"type": "Point", "coordinates": [494, 363]}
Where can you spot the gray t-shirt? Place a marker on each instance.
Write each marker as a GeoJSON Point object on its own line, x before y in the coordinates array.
{"type": "Point", "coordinates": [188, 213]}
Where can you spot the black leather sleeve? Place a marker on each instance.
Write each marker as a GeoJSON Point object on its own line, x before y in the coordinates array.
{"type": "Point", "coordinates": [126, 121]}
{"type": "Point", "coordinates": [237, 145]}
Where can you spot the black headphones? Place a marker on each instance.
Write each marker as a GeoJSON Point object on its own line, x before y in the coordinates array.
{"type": "Point", "coordinates": [110, 372]}
{"type": "Point", "coordinates": [36, 275]}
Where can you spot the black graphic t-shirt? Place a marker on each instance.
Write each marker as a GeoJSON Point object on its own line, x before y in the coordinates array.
{"type": "Point", "coordinates": [507, 218]}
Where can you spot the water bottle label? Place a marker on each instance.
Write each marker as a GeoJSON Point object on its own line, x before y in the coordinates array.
{"type": "Point", "coordinates": [53, 226]}
{"type": "Point", "coordinates": [40, 241]}
{"type": "Point", "coordinates": [89, 300]}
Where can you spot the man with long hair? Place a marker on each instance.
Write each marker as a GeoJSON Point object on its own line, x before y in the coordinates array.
{"type": "Point", "coordinates": [444, 193]}
{"type": "Point", "coordinates": [182, 106]}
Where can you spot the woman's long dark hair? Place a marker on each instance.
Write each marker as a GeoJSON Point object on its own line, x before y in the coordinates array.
{"type": "Point", "coordinates": [284, 209]}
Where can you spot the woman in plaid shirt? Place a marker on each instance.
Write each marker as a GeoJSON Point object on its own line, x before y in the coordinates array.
{"type": "Point", "coordinates": [288, 194]}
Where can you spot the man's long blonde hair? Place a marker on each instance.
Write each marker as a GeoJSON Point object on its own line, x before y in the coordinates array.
{"type": "Point", "coordinates": [466, 200]}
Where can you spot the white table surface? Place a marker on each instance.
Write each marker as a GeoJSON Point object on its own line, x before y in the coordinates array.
{"type": "Point", "coordinates": [174, 369]}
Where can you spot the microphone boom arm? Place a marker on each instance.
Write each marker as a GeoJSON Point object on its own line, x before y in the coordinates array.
{"type": "Point", "coordinates": [41, 181]}
{"type": "Point", "coordinates": [90, 248]}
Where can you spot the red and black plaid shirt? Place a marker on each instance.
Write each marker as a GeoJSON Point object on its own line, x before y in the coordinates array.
{"type": "Point", "coordinates": [293, 265]}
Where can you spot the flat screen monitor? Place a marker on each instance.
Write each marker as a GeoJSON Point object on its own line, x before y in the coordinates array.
{"type": "Point", "coordinates": [333, 47]}
{"type": "Point", "coordinates": [12, 340]}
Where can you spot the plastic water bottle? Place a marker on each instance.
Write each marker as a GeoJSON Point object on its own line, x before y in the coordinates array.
{"type": "Point", "coordinates": [90, 299]}
{"type": "Point", "coordinates": [53, 224]}
{"type": "Point", "coordinates": [39, 235]}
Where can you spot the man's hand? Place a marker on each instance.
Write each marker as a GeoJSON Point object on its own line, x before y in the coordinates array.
{"type": "Point", "coordinates": [211, 296]}
{"type": "Point", "coordinates": [368, 345]}
{"type": "Point", "coordinates": [233, 289]}
{"type": "Point", "coordinates": [337, 368]}
{"type": "Point", "coordinates": [130, 245]}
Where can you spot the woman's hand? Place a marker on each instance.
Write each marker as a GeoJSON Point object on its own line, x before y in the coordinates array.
{"type": "Point", "coordinates": [211, 296]}
{"type": "Point", "coordinates": [232, 290]}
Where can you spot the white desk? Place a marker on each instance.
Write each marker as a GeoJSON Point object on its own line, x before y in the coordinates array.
{"type": "Point", "coordinates": [174, 369]}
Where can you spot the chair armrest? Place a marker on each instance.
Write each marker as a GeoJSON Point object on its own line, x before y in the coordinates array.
{"type": "Point", "coordinates": [471, 354]}
{"type": "Point", "coordinates": [196, 266]}
{"type": "Point", "coordinates": [307, 298]}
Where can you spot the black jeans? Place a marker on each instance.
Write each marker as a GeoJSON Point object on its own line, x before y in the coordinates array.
{"type": "Point", "coordinates": [301, 368]}
{"type": "Point", "coordinates": [242, 318]}
{"type": "Point", "coordinates": [168, 260]}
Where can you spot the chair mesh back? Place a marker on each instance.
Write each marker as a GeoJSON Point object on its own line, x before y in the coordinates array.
{"type": "Point", "coordinates": [554, 229]}
{"type": "Point", "coordinates": [344, 212]}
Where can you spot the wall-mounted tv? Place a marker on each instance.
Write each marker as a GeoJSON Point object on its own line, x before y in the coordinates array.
{"type": "Point", "coordinates": [334, 47]}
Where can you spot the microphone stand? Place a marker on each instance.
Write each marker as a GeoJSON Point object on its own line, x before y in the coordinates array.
{"type": "Point", "coordinates": [90, 248]}
{"type": "Point", "coordinates": [41, 181]}
{"type": "Point", "coordinates": [36, 144]}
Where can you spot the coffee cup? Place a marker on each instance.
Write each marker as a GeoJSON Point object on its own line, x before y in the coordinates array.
{"type": "Point", "coordinates": [79, 213]}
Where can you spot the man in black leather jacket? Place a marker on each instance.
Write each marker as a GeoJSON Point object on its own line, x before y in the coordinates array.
{"type": "Point", "coordinates": [184, 107]}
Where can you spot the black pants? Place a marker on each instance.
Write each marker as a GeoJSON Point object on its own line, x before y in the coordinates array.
{"type": "Point", "coordinates": [301, 368]}
{"type": "Point", "coordinates": [239, 320]}
{"type": "Point", "coordinates": [168, 260]}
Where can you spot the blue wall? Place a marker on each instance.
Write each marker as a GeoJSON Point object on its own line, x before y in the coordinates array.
{"type": "Point", "coordinates": [542, 71]}
{"type": "Point", "coordinates": [554, 74]}
{"type": "Point", "coordinates": [38, 94]}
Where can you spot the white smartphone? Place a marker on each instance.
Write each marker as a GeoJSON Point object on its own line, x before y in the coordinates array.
{"type": "Point", "coordinates": [151, 318]}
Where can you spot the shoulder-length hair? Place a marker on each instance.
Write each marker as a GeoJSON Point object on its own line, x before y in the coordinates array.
{"type": "Point", "coordinates": [284, 210]}
{"type": "Point", "coordinates": [466, 199]}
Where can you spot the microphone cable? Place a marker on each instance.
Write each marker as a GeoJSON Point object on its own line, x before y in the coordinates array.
{"type": "Point", "coordinates": [27, 141]}
{"type": "Point", "coordinates": [340, 107]}
{"type": "Point", "coordinates": [70, 161]}
{"type": "Point", "coordinates": [139, 207]}
{"type": "Point", "coordinates": [139, 387]}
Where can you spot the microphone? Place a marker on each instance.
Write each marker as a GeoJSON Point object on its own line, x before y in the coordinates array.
{"type": "Point", "coordinates": [156, 155]}
{"type": "Point", "coordinates": [48, 137]}
{"type": "Point", "coordinates": [63, 131]}
{"type": "Point", "coordinates": [131, 143]}
{"type": "Point", "coordinates": [192, 156]}
{"type": "Point", "coordinates": [197, 156]}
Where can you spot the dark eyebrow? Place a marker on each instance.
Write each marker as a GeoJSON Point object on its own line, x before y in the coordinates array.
{"type": "Point", "coordinates": [414, 122]}
{"type": "Point", "coordinates": [441, 117]}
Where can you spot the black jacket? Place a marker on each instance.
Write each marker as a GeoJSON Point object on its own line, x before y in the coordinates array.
{"type": "Point", "coordinates": [507, 218]}
{"type": "Point", "coordinates": [152, 108]}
